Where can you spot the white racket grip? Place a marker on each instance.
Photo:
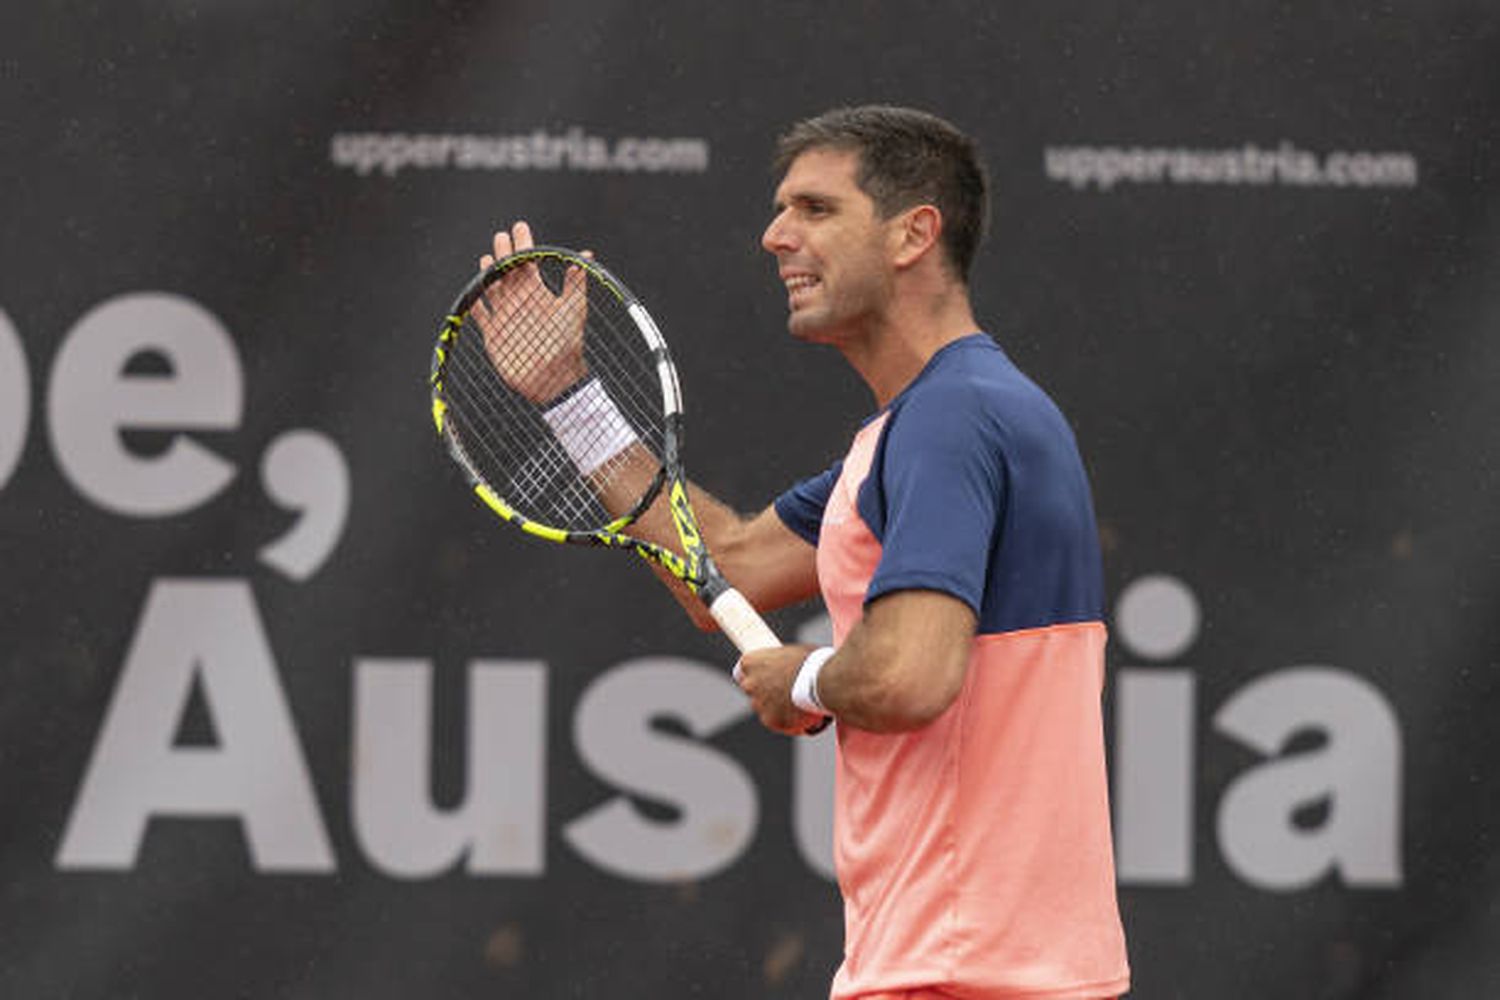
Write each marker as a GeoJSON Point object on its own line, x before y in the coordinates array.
{"type": "Point", "coordinates": [742, 623]}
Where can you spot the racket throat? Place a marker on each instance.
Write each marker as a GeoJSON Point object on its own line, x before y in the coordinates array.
{"type": "Point", "coordinates": [701, 572]}
{"type": "Point", "coordinates": [713, 586]}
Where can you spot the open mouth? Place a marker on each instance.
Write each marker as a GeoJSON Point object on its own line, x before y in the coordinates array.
{"type": "Point", "coordinates": [798, 285]}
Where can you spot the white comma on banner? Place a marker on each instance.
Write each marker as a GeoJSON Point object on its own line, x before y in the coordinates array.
{"type": "Point", "coordinates": [99, 399]}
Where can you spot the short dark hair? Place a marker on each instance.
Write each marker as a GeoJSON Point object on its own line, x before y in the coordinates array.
{"type": "Point", "coordinates": [906, 157]}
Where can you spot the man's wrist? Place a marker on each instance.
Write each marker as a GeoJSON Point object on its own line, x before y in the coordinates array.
{"type": "Point", "coordinates": [573, 385]}
{"type": "Point", "coordinates": [589, 426]}
{"type": "Point", "coordinates": [805, 685]}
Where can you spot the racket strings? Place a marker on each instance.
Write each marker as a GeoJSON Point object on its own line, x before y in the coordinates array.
{"type": "Point", "coordinates": [521, 464]}
{"type": "Point", "coordinates": [512, 390]}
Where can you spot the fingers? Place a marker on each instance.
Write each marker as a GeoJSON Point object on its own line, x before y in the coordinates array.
{"type": "Point", "coordinates": [518, 239]}
{"type": "Point", "coordinates": [522, 233]}
{"type": "Point", "coordinates": [505, 243]}
{"type": "Point", "coordinates": [502, 244]}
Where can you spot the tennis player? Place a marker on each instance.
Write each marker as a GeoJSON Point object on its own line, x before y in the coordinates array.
{"type": "Point", "coordinates": [956, 550]}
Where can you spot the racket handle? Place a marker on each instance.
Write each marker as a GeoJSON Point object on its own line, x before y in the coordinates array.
{"type": "Point", "coordinates": [741, 622]}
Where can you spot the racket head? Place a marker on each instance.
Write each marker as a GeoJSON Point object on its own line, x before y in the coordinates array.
{"type": "Point", "coordinates": [519, 338]}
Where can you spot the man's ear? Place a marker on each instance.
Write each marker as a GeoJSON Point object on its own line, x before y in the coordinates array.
{"type": "Point", "coordinates": [917, 234]}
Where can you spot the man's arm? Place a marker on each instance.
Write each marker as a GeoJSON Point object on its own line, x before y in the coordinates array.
{"type": "Point", "coordinates": [903, 664]}
{"type": "Point", "coordinates": [898, 669]}
{"type": "Point", "coordinates": [764, 559]}
{"type": "Point", "coordinates": [943, 483]}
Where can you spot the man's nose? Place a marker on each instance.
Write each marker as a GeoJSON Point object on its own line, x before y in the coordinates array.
{"type": "Point", "coordinates": [778, 235]}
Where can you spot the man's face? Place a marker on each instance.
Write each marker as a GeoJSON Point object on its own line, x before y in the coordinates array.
{"type": "Point", "coordinates": [831, 247]}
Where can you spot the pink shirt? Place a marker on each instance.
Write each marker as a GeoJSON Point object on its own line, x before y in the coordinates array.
{"type": "Point", "coordinates": [974, 855]}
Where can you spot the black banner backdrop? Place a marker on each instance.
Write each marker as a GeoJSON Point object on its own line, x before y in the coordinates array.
{"type": "Point", "coordinates": [285, 716]}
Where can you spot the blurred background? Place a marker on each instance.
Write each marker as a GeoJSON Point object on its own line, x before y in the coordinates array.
{"type": "Point", "coordinates": [287, 714]}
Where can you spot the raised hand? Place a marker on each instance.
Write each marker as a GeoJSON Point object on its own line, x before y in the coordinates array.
{"type": "Point", "coordinates": [533, 337]}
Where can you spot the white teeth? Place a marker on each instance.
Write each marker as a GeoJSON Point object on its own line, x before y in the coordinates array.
{"type": "Point", "coordinates": [800, 282]}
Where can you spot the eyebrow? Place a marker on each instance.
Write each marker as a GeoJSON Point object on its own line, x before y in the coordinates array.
{"type": "Point", "coordinates": [803, 198]}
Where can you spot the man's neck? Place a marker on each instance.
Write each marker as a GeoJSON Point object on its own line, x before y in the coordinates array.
{"type": "Point", "coordinates": [895, 351]}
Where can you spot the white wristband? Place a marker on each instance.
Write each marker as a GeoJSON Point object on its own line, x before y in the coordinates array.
{"type": "Point", "coordinates": [589, 426]}
{"type": "Point", "coordinates": [805, 687]}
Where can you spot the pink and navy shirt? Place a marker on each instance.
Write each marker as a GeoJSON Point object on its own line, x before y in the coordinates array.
{"type": "Point", "coordinates": [974, 854]}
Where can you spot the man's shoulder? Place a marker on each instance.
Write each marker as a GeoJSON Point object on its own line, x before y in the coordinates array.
{"type": "Point", "coordinates": [970, 385]}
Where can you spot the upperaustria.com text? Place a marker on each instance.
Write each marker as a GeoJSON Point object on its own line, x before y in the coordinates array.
{"type": "Point", "coordinates": [389, 153]}
{"type": "Point", "coordinates": [1104, 167]}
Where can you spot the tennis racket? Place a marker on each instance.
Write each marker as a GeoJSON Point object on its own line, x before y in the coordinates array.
{"type": "Point", "coordinates": [555, 393]}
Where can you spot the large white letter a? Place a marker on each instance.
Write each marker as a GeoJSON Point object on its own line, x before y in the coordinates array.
{"type": "Point", "coordinates": [209, 630]}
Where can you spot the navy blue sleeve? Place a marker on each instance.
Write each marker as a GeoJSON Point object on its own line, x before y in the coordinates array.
{"type": "Point", "coordinates": [943, 488]}
{"type": "Point", "coordinates": [801, 507]}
